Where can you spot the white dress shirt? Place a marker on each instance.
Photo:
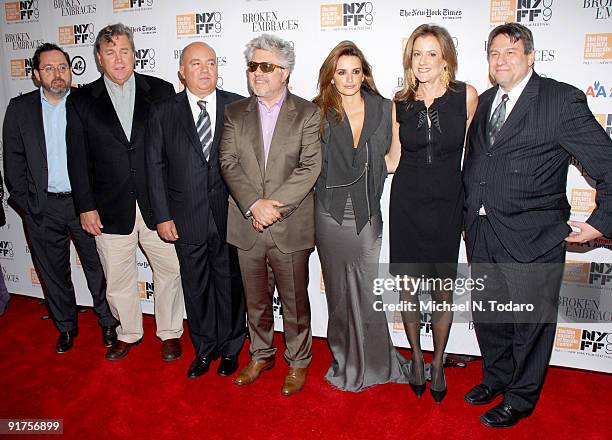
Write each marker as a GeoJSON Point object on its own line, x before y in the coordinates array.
{"type": "Point", "coordinates": [211, 108]}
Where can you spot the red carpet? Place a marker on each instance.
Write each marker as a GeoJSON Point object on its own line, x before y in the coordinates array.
{"type": "Point", "coordinates": [143, 397]}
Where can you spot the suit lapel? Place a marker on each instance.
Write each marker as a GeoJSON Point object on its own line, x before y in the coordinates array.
{"type": "Point", "coordinates": [285, 119]}
{"type": "Point", "coordinates": [520, 110]}
{"type": "Point", "coordinates": [105, 107]}
{"type": "Point", "coordinates": [252, 131]}
{"type": "Point", "coordinates": [142, 101]}
{"type": "Point", "coordinates": [218, 122]}
{"type": "Point", "coordinates": [184, 114]}
{"type": "Point", "coordinates": [40, 126]}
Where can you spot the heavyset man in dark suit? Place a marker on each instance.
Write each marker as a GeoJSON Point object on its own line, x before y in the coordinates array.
{"type": "Point", "coordinates": [189, 201]}
{"type": "Point", "coordinates": [37, 179]}
{"type": "Point", "coordinates": [106, 130]}
{"type": "Point", "coordinates": [270, 157]}
{"type": "Point", "coordinates": [522, 137]}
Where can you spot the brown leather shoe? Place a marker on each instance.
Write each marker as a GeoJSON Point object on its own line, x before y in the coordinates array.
{"type": "Point", "coordinates": [294, 382]}
{"type": "Point", "coordinates": [251, 372]}
{"type": "Point", "coordinates": [171, 349]}
{"type": "Point", "coordinates": [120, 350]}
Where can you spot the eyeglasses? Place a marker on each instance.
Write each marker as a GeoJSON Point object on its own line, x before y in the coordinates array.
{"type": "Point", "coordinates": [264, 67]}
{"type": "Point", "coordinates": [62, 68]}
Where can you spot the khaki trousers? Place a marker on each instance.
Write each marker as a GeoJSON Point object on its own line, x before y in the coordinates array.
{"type": "Point", "coordinates": [118, 258]}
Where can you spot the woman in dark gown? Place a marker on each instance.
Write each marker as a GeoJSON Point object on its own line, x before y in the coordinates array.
{"type": "Point", "coordinates": [426, 207]}
{"type": "Point", "coordinates": [356, 134]}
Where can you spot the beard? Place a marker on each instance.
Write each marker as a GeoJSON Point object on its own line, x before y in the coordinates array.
{"type": "Point", "coordinates": [58, 87]}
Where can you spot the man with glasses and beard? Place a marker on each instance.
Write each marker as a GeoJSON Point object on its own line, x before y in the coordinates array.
{"type": "Point", "coordinates": [270, 158]}
{"type": "Point", "coordinates": [36, 172]}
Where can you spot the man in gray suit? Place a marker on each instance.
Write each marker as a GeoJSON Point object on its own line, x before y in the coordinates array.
{"type": "Point", "coordinates": [270, 157]}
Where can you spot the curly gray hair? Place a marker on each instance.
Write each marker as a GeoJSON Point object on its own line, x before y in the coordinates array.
{"type": "Point", "coordinates": [283, 49]}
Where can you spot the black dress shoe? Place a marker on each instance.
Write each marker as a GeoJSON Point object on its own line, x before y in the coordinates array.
{"type": "Point", "coordinates": [481, 394]}
{"type": "Point", "coordinates": [227, 366]}
{"type": "Point", "coordinates": [198, 367]}
{"type": "Point", "coordinates": [65, 341]}
{"type": "Point", "coordinates": [503, 416]}
{"type": "Point", "coordinates": [109, 335]}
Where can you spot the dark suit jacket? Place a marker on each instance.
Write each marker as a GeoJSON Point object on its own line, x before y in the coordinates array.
{"type": "Point", "coordinates": [25, 155]}
{"type": "Point", "coordinates": [107, 171]}
{"type": "Point", "coordinates": [294, 163]}
{"type": "Point", "coordinates": [521, 179]}
{"type": "Point", "coordinates": [183, 186]}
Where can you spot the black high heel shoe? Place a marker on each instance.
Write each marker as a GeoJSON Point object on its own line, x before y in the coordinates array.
{"type": "Point", "coordinates": [438, 395]}
{"type": "Point", "coordinates": [417, 389]}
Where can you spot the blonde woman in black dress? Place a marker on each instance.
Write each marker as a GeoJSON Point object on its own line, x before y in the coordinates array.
{"type": "Point", "coordinates": [426, 208]}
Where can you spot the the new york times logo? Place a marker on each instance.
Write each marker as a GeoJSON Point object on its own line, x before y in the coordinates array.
{"type": "Point", "coordinates": [75, 7]}
{"type": "Point", "coordinates": [145, 59]}
{"type": "Point", "coordinates": [21, 41]}
{"type": "Point", "coordinates": [443, 13]}
{"type": "Point", "coordinates": [144, 29]}
{"type": "Point", "coordinates": [595, 341]}
{"type": "Point", "coordinates": [603, 8]}
{"type": "Point", "coordinates": [26, 10]}
{"type": "Point", "coordinates": [6, 249]}
{"type": "Point", "coordinates": [533, 11]}
{"type": "Point", "coordinates": [268, 21]}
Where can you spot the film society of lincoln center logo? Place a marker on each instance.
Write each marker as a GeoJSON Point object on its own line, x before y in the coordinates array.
{"type": "Point", "coordinates": [588, 273]}
{"type": "Point", "coordinates": [347, 16]}
{"type": "Point", "coordinates": [598, 47]}
{"type": "Point", "coordinates": [591, 342]}
{"type": "Point", "coordinates": [131, 5]}
{"type": "Point", "coordinates": [204, 24]}
{"type": "Point", "coordinates": [21, 11]}
{"type": "Point", "coordinates": [527, 12]}
{"type": "Point", "coordinates": [145, 290]}
{"type": "Point", "coordinates": [76, 34]}
{"type": "Point", "coordinates": [21, 68]}
{"type": "Point", "coordinates": [583, 200]}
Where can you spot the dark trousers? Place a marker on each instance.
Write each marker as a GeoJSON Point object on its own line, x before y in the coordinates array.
{"type": "Point", "coordinates": [516, 345]}
{"type": "Point", "coordinates": [49, 242]}
{"type": "Point", "coordinates": [214, 297]}
{"type": "Point", "coordinates": [290, 273]}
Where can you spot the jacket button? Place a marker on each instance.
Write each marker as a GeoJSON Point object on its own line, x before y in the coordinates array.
{"type": "Point", "coordinates": [489, 154]}
{"type": "Point", "coordinates": [483, 183]}
{"type": "Point", "coordinates": [132, 192]}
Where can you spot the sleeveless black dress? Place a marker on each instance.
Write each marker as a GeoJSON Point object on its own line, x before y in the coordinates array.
{"type": "Point", "coordinates": [426, 206]}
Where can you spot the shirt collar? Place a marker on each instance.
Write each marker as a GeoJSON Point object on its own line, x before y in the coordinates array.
{"type": "Point", "coordinates": [278, 103]}
{"type": "Point", "coordinates": [43, 97]}
{"type": "Point", "coordinates": [514, 94]}
{"type": "Point", "coordinates": [210, 99]}
{"type": "Point", "coordinates": [128, 85]}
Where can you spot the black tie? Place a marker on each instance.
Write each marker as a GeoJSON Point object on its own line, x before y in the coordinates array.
{"type": "Point", "coordinates": [204, 130]}
{"type": "Point", "coordinates": [497, 119]}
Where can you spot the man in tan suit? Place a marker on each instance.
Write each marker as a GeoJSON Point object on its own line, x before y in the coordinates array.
{"type": "Point", "coordinates": [270, 158]}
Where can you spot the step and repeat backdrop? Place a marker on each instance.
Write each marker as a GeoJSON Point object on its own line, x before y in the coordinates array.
{"type": "Point", "coordinates": [573, 44]}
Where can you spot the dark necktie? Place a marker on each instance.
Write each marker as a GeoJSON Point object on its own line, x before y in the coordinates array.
{"type": "Point", "coordinates": [204, 129]}
{"type": "Point", "coordinates": [497, 119]}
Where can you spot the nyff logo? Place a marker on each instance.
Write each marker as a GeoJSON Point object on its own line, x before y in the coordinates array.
{"type": "Point", "coordinates": [528, 11]}
{"type": "Point", "coordinates": [145, 59]}
{"type": "Point", "coordinates": [77, 34]}
{"type": "Point", "coordinates": [593, 341]}
{"type": "Point", "coordinates": [6, 249]}
{"type": "Point", "coordinates": [347, 15]}
{"type": "Point", "coordinates": [121, 5]}
{"type": "Point", "coordinates": [26, 10]}
{"type": "Point", "coordinates": [204, 23]}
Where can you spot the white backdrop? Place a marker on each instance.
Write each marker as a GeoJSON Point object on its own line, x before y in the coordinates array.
{"type": "Point", "coordinates": [573, 44]}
